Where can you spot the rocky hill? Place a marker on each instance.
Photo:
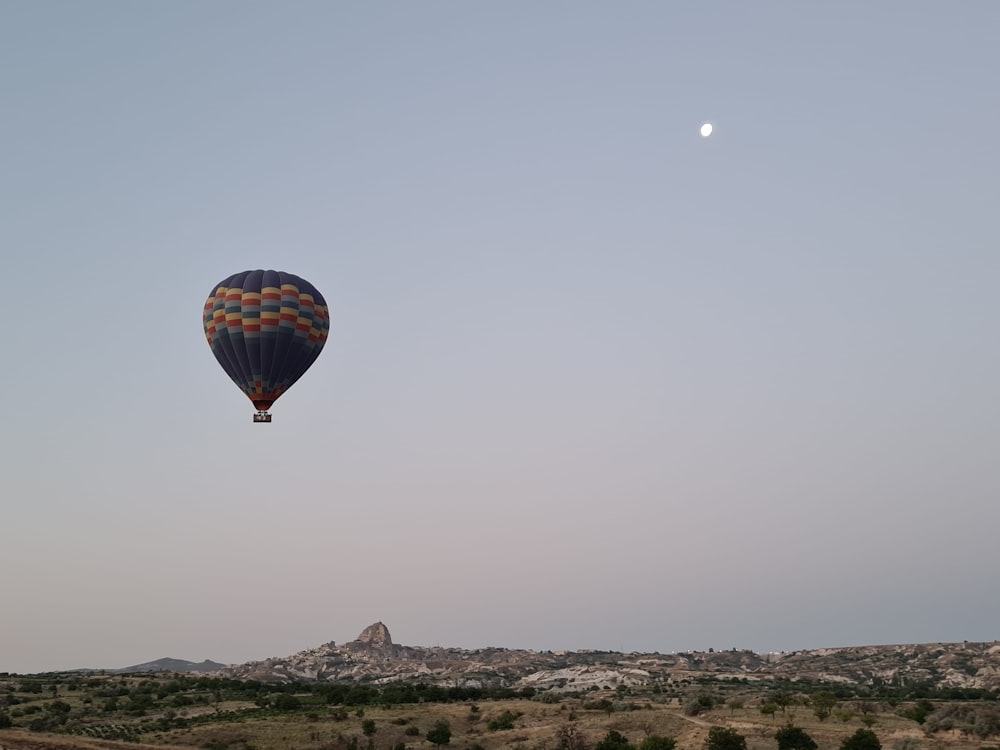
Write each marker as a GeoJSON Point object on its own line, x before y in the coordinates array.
{"type": "Point", "coordinates": [373, 658]}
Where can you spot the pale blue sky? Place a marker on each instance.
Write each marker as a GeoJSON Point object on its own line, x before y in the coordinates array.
{"type": "Point", "coordinates": [592, 380]}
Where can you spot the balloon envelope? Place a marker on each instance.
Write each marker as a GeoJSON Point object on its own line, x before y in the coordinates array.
{"type": "Point", "coordinates": [265, 328]}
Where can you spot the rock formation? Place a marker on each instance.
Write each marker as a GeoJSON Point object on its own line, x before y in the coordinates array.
{"type": "Point", "coordinates": [375, 636]}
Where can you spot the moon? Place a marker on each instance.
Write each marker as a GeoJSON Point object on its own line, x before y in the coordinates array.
{"type": "Point", "coordinates": [706, 130]}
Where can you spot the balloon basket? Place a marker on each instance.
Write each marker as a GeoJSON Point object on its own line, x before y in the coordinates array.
{"type": "Point", "coordinates": [262, 416]}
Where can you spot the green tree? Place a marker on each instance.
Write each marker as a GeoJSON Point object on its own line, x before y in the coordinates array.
{"type": "Point", "coordinates": [781, 698]}
{"type": "Point", "coordinates": [724, 738]}
{"type": "Point", "coordinates": [503, 721]}
{"type": "Point", "coordinates": [823, 703]}
{"type": "Point", "coordinates": [919, 711]}
{"type": "Point", "coordinates": [768, 709]}
{"type": "Point", "coordinates": [790, 737]}
{"type": "Point", "coordinates": [440, 734]}
{"type": "Point", "coordinates": [139, 703]}
{"type": "Point", "coordinates": [287, 702]}
{"type": "Point", "coordinates": [658, 742]}
{"type": "Point", "coordinates": [863, 739]}
{"type": "Point", "coordinates": [58, 707]}
{"type": "Point", "coordinates": [697, 704]}
{"type": "Point", "coordinates": [614, 741]}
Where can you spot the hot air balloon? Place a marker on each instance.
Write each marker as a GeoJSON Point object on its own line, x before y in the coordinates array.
{"type": "Point", "coordinates": [265, 328]}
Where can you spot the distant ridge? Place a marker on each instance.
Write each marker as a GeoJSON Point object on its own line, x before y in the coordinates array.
{"type": "Point", "coordinates": [172, 665]}
{"type": "Point", "coordinates": [373, 658]}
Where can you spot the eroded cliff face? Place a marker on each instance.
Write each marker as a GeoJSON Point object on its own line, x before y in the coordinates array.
{"type": "Point", "coordinates": [373, 657]}
{"type": "Point", "coordinates": [375, 636]}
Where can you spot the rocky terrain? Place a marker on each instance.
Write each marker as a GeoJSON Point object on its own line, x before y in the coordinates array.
{"type": "Point", "coordinates": [373, 658]}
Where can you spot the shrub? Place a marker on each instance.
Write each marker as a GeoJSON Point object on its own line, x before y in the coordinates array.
{"type": "Point", "coordinates": [723, 738]}
{"type": "Point", "coordinates": [657, 742]}
{"type": "Point", "coordinates": [794, 738]}
{"type": "Point", "coordinates": [440, 734]}
{"type": "Point", "coordinates": [286, 702]}
{"type": "Point", "coordinates": [503, 721]}
{"type": "Point", "coordinates": [863, 739]}
{"type": "Point", "coordinates": [982, 720]}
{"type": "Point", "coordinates": [919, 711]}
{"type": "Point", "coordinates": [696, 704]}
{"type": "Point", "coordinates": [614, 741]}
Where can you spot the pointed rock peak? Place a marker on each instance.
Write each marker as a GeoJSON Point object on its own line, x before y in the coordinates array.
{"type": "Point", "coordinates": [376, 635]}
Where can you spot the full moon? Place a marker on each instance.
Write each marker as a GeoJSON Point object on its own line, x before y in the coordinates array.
{"type": "Point", "coordinates": [706, 130]}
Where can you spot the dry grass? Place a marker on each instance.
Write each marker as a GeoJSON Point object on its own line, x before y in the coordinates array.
{"type": "Point", "coordinates": [18, 739]}
{"type": "Point", "coordinates": [535, 729]}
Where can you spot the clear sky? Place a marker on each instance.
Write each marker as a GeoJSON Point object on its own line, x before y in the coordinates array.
{"type": "Point", "coordinates": [593, 381]}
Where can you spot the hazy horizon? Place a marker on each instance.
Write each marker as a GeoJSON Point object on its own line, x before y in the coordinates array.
{"type": "Point", "coordinates": [592, 380]}
{"type": "Point", "coordinates": [500, 645]}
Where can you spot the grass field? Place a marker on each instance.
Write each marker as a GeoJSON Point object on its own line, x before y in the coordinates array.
{"type": "Point", "coordinates": [174, 711]}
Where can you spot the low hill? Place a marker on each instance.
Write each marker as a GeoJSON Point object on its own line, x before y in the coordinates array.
{"type": "Point", "coordinates": [172, 665]}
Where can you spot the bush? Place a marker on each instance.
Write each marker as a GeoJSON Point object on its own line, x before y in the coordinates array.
{"type": "Point", "coordinates": [656, 742]}
{"type": "Point", "coordinates": [440, 734]}
{"type": "Point", "coordinates": [982, 720]}
{"type": "Point", "coordinates": [794, 738]}
{"type": "Point", "coordinates": [614, 741]}
{"type": "Point", "coordinates": [863, 739]}
{"type": "Point", "coordinates": [723, 738]}
{"type": "Point", "coordinates": [919, 711]}
{"type": "Point", "coordinates": [503, 721]}
{"type": "Point", "coordinates": [286, 702]}
{"type": "Point", "coordinates": [696, 704]}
